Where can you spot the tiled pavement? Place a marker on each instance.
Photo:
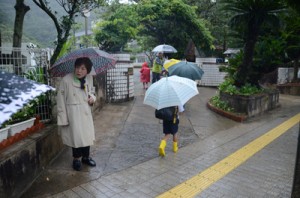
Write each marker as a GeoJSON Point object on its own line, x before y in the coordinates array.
{"type": "Point", "coordinates": [269, 173]}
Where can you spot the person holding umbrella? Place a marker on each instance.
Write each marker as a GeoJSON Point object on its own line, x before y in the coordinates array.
{"type": "Point", "coordinates": [173, 91]}
{"type": "Point", "coordinates": [170, 127]}
{"type": "Point", "coordinates": [157, 67]}
{"type": "Point", "coordinates": [74, 113]}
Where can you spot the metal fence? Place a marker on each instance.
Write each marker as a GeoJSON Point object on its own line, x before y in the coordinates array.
{"type": "Point", "coordinates": [119, 81]}
{"type": "Point", "coordinates": [115, 85]}
{"type": "Point", "coordinates": [31, 63]}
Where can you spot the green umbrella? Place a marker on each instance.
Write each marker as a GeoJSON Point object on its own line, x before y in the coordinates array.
{"type": "Point", "coordinates": [186, 69]}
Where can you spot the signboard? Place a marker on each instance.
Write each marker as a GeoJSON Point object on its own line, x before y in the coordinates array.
{"type": "Point", "coordinates": [130, 71]}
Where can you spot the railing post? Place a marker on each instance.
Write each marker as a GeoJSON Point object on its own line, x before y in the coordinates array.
{"type": "Point", "coordinates": [296, 182]}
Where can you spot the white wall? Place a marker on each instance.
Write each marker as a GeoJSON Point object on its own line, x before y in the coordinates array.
{"type": "Point", "coordinates": [212, 76]}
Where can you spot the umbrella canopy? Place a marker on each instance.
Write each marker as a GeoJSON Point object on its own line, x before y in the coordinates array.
{"type": "Point", "coordinates": [101, 60]}
{"type": "Point", "coordinates": [170, 91]}
{"type": "Point", "coordinates": [15, 92]}
{"type": "Point", "coordinates": [169, 63]}
{"type": "Point", "coordinates": [186, 69]}
{"type": "Point", "coordinates": [165, 49]}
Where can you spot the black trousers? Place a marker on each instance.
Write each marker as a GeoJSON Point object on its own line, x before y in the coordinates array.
{"type": "Point", "coordinates": [155, 77]}
{"type": "Point", "coordinates": [81, 152]}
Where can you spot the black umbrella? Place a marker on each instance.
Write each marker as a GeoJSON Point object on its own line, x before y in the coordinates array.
{"type": "Point", "coordinates": [15, 92]}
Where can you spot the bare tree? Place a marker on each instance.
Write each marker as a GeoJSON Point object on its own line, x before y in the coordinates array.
{"type": "Point", "coordinates": [64, 23]}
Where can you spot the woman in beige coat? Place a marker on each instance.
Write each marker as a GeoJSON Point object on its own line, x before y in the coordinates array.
{"type": "Point", "coordinates": [74, 114]}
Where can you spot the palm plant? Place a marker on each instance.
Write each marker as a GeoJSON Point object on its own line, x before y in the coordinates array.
{"type": "Point", "coordinates": [248, 18]}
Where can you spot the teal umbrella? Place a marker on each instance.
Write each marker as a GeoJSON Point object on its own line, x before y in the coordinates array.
{"type": "Point", "coordinates": [186, 69]}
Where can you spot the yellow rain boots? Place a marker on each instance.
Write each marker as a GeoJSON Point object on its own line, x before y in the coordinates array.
{"type": "Point", "coordinates": [175, 147]}
{"type": "Point", "coordinates": [161, 148]}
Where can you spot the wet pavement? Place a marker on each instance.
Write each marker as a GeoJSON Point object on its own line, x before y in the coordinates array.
{"type": "Point", "coordinates": [127, 137]}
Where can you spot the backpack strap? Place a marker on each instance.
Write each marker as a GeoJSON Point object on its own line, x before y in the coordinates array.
{"type": "Point", "coordinates": [175, 115]}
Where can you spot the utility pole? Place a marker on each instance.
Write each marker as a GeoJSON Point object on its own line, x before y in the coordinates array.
{"type": "Point", "coordinates": [86, 13]}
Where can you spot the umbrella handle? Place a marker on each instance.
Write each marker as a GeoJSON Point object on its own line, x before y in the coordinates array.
{"type": "Point", "coordinates": [175, 115]}
{"type": "Point", "coordinates": [88, 91]}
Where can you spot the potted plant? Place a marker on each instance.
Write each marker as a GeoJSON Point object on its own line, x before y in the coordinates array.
{"type": "Point", "coordinates": [247, 100]}
{"type": "Point", "coordinates": [3, 133]}
{"type": "Point", "coordinates": [21, 120]}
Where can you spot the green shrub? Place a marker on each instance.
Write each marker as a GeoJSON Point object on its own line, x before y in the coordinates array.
{"type": "Point", "coordinates": [228, 87]}
{"type": "Point", "coordinates": [249, 89]}
{"type": "Point", "coordinates": [36, 74]}
{"type": "Point", "coordinates": [218, 103]}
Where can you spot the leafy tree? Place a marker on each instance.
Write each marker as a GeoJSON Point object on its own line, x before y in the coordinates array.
{"type": "Point", "coordinates": [119, 27]}
{"type": "Point", "coordinates": [172, 22]}
{"type": "Point", "coordinates": [88, 40]}
{"type": "Point", "coordinates": [153, 22]}
{"type": "Point", "coordinates": [294, 4]}
{"type": "Point", "coordinates": [292, 36]}
{"type": "Point", "coordinates": [269, 54]}
{"type": "Point", "coordinates": [64, 23]}
{"type": "Point", "coordinates": [248, 18]}
{"type": "Point", "coordinates": [216, 22]}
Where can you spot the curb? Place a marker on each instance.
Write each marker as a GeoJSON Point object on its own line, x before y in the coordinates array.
{"type": "Point", "coordinates": [232, 116]}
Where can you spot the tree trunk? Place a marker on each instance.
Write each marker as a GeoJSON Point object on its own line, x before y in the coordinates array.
{"type": "Point", "coordinates": [245, 68]}
{"type": "Point", "coordinates": [62, 39]}
{"type": "Point", "coordinates": [190, 51]}
{"type": "Point", "coordinates": [56, 52]}
{"type": "Point", "coordinates": [21, 10]}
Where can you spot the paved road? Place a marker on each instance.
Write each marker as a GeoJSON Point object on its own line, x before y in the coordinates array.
{"type": "Point", "coordinates": [127, 137]}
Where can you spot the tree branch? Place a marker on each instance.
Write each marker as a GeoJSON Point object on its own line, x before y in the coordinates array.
{"type": "Point", "coordinates": [41, 4]}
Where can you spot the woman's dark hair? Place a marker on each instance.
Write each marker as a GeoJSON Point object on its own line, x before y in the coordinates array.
{"type": "Point", "coordinates": [84, 61]}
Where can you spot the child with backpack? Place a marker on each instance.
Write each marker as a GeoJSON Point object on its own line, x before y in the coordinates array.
{"type": "Point", "coordinates": [170, 127]}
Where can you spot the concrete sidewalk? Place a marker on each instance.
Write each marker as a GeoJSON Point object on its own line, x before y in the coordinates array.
{"type": "Point", "coordinates": [127, 137]}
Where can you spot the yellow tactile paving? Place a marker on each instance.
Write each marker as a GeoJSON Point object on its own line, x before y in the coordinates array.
{"type": "Point", "coordinates": [203, 180]}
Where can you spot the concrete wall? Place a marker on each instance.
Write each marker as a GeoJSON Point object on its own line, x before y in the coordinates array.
{"type": "Point", "coordinates": [23, 161]}
{"type": "Point", "coordinates": [285, 75]}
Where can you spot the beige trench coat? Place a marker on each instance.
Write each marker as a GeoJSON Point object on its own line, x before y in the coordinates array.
{"type": "Point", "coordinates": [74, 114]}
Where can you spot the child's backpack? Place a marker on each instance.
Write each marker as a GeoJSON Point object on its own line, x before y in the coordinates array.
{"type": "Point", "coordinates": [168, 113]}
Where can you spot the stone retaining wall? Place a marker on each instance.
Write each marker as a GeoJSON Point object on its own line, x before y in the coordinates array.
{"type": "Point", "coordinates": [22, 162]}
{"type": "Point", "coordinates": [252, 105]}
